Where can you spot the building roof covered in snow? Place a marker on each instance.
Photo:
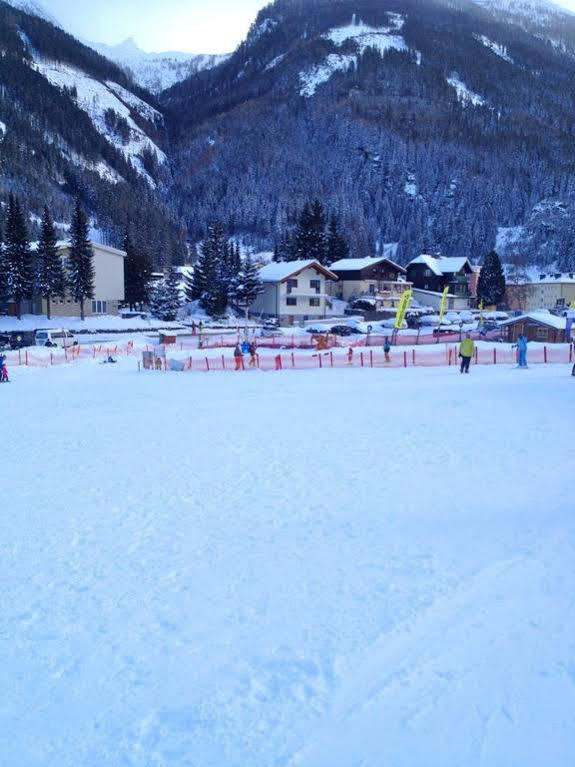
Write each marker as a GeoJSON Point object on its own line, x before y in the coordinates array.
{"type": "Point", "coordinates": [278, 271]}
{"type": "Point", "coordinates": [357, 264]}
{"type": "Point", "coordinates": [541, 318]}
{"type": "Point", "coordinates": [440, 265]}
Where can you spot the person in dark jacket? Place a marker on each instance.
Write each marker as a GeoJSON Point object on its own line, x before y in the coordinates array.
{"type": "Point", "coordinates": [253, 354]}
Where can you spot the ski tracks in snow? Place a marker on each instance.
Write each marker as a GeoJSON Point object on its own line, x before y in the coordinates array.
{"type": "Point", "coordinates": [389, 707]}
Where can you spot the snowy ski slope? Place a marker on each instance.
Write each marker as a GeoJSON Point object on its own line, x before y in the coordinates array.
{"type": "Point", "coordinates": [316, 569]}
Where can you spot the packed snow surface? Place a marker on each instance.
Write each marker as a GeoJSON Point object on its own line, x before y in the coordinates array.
{"type": "Point", "coordinates": [311, 569]}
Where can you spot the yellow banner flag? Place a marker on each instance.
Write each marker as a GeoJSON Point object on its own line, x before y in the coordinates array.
{"type": "Point", "coordinates": [402, 308]}
{"type": "Point", "coordinates": [443, 304]}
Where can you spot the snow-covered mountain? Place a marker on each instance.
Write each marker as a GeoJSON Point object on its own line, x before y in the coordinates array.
{"type": "Point", "coordinates": [74, 123]}
{"type": "Point", "coordinates": [432, 124]}
{"type": "Point", "coordinates": [156, 71]}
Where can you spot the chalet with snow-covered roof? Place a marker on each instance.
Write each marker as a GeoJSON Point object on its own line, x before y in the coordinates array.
{"type": "Point", "coordinates": [536, 326]}
{"type": "Point", "coordinates": [377, 278]}
{"type": "Point", "coordinates": [435, 273]}
{"type": "Point", "coordinates": [293, 291]}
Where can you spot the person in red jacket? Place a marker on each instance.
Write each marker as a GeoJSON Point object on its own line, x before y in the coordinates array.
{"type": "Point", "coordinates": [3, 370]}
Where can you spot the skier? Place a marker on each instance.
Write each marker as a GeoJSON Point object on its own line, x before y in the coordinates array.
{"type": "Point", "coordinates": [238, 356]}
{"type": "Point", "coordinates": [253, 352]}
{"type": "Point", "coordinates": [350, 356]}
{"type": "Point", "coordinates": [522, 350]}
{"type": "Point", "coordinates": [387, 349]}
{"type": "Point", "coordinates": [3, 370]}
{"type": "Point", "coordinates": [466, 352]}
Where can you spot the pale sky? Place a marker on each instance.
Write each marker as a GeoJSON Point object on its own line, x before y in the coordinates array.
{"type": "Point", "coordinates": [198, 26]}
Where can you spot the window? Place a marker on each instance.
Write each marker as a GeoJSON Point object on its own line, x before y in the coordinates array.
{"type": "Point", "coordinates": [99, 307]}
{"type": "Point", "coordinates": [291, 284]}
{"type": "Point", "coordinates": [291, 301]}
{"type": "Point", "coordinates": [427, 273]}
{"type": "Point", "coordinates": [314, 302]}
{"type": "Point", "coordinates": [315, 285]}
{"type": "Point", "coordinates": [542, 333]}
{"type": "Point", "coordinates": [372, 288]}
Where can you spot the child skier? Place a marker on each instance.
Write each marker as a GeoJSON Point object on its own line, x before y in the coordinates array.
{"type": "Point", "coordinates": [387, 349]}
{"type": "Point", "coordinates": [3, 370]}
{"type": "Point", "coordinates": [238, 356]}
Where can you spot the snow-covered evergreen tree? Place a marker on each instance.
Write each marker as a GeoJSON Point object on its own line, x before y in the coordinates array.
{"type": "Point", "coordinates": [491, 283]}
{"type": "Point", "coordinates": [247, 285]}
{"type": "Point", "coordinates": [18, 261]}
{"type": "Point", "coordinates": [337, 245]}
{"type": "Point", "coordinates": [212, 278]}
{"type": "Point", "coordinates": [310, 236]}
{"type": "Point", "coordinates": [50, 275]}
{"type": "Point", "coordinates": [80, 260]}
{"type": "Point", "coordinates": [165, 300]}
{"type": "Point", "coordinates": [137, 273]}
{"type": "Point", "coordinates": [3, 271]}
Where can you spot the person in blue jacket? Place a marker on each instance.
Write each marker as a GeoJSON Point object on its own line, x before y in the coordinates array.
{"type": "Point", "coordinates": [522, 349]}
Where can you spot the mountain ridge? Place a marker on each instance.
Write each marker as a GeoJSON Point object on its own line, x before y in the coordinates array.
{"type": "Point", "coordinates": [452, 98]}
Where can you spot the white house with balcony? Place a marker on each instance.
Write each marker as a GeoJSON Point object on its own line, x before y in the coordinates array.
{"type": "Point", "coordinates": [293, 291]}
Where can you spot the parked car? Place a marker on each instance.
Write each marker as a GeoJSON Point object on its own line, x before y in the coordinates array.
{"type": "Point", "coordinates": [50, 337]}
{"type": "Point", "coordinates": [344, 330]}
{"type": "Point", "coordinates": [16, 339]}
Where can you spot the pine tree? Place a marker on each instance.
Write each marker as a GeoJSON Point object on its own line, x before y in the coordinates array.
{"type": "Point", "coordinates": [337, 245]}
{"type": "Point", "coordinates": [137, 274]}
{"type": "Point", "coordinates": [3, 272]}
{"type": "Point", "coordinates": [211, 281]}
{"type": "Point", "coordinates": [165, 300]}
{"type": "Point", "coordinates": [491, 283]}
{"type": "Point", "coordinates": [50, 275]}
{"type": "Point", "coordinates": [310, 237]}
{"type": "Point", "coordinates": [18, 260]}
{"type": "Point", "coordinates": [248, 285]}
{"type": "Point", "coordinates": [80, 260]}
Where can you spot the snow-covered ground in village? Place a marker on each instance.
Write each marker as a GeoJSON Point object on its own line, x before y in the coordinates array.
{"type": "Point", "coordinates": [307, 569]}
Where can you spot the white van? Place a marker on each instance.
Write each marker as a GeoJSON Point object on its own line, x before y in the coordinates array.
{"type": "Point", "coordinates": [53, 337]}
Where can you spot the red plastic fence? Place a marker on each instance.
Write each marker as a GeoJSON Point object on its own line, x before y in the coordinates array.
{"type": "Point", "coordinates": [368, 358]}
{"type": "Point", "coordinates": [41, 357]}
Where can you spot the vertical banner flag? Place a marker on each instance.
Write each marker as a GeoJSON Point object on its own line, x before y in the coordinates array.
{"type": "Point", "coordinates": [443, 305]}
{"type": "Point", "coordinates": [402, 308]}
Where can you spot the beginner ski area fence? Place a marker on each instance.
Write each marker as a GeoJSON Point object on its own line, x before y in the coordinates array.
{"type": "Point", "coordinates": [364, 358]}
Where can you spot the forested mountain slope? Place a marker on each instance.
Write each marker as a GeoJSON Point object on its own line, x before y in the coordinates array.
{"type": "Point", "coordinates": [433, 124]}
{"type": "Point", "coordinates": [74, 124]}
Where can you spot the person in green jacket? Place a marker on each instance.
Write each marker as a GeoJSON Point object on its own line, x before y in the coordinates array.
{"type": "Point", "coordinates": [466, 352]}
